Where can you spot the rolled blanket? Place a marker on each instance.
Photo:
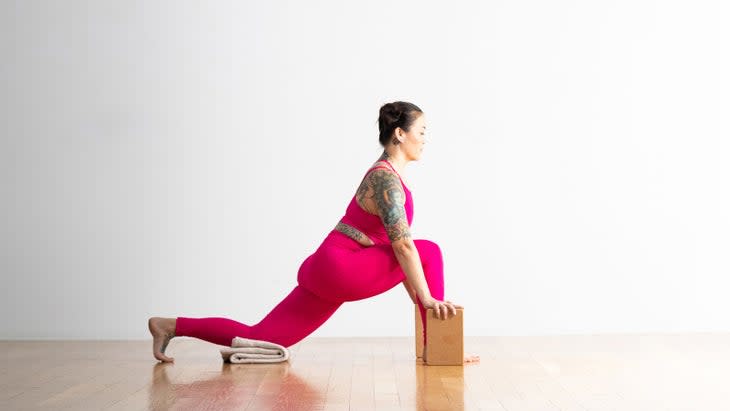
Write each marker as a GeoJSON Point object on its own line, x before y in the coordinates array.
{"type": "Point", "coordinates": [248, 350]}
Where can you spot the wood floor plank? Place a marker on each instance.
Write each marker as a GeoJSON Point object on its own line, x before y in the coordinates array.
{"type": "Point", "coordinates": [569, 373]}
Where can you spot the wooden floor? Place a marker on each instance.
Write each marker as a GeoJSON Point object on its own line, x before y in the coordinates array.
{"type": "Point", "coordinates": [604, 372]}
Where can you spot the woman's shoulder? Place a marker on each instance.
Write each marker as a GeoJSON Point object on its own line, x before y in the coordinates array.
{"type": "Point", "coordinates": [378, 170]}
{"type": "Point", "coordinates": [380, 163]}
{"type": "Point", "coordinates": [384, 173]}
{"type": "Point", "coordinates": [386, 167]}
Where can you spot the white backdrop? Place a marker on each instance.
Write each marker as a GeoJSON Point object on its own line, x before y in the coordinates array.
{"type": "Point", "coordinates": [182, 158]}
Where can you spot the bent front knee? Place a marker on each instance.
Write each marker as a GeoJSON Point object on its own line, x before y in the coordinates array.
{"type": "Point", "coordinates": [427, 247]}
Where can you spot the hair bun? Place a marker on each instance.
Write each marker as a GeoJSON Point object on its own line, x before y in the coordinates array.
{"type": "Point", "coordinates": [393, 115]}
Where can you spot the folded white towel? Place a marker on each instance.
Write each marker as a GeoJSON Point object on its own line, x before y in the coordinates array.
{"type": "Point", "coordinates": [248, 350]}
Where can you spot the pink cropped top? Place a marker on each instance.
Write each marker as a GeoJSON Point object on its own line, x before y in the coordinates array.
{"type": "Point", "coordinates": [370, 224]}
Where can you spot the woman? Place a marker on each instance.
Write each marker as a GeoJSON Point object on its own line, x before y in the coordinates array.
{"type": "Point", "coordinates": [368, 252]}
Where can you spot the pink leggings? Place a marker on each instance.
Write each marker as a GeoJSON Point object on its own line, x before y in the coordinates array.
{"type": "Point", "coordinates": [339, 270]}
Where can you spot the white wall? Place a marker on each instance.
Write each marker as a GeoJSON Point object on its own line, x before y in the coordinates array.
{"type": "Point", "coordinates": [182, 159]}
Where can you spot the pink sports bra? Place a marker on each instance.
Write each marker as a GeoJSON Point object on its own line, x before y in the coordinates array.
{"type": "Point", "coordinates": [370, 224]}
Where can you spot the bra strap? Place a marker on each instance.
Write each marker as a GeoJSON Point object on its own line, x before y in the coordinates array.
{"type": "Point", "coordinates": [391, 166]}
{"type": "Point", "coordinates": [388, 168]}
{"type": "Point", "coordinates": [375, 168]}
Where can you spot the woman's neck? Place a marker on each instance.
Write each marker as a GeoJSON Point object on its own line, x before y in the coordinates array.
{"type": "Point", "coordinates": [397, 162]}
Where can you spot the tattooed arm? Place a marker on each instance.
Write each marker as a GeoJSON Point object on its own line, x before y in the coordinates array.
{"type": "Point", "coordinates": [390, 201]}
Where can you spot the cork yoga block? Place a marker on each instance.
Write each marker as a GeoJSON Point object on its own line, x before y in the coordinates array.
{"type": "Point", "coordinates": [444, 339]}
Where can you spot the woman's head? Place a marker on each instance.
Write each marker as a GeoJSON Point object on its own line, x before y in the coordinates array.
{"type": "Point", "coordinates": [403, 126]}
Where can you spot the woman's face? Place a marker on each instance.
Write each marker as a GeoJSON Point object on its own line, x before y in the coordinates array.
{"type": "Point", "coordinates": [413, 140]}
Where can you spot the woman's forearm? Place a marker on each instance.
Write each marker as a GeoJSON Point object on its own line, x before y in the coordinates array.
{"type": "Point", "coordinates": [411, 292]}
{"type": "Point", "coordinates": [410, 262]}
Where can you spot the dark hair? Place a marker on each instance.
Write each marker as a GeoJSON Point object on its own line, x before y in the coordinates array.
{"type": "Point", "coordinates": [396, 114]}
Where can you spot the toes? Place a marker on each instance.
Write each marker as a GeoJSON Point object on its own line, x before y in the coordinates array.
{"type": "Point", "coordinates": [471, 358]}
{"type": "Point", "coordinates": [164, 358]}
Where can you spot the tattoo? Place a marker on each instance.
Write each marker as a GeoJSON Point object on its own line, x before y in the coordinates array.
{"type": "Point", "coordinates": [365, 187]}
{"type": "Point", "coordinates": [361, 193]}
{"type": "Point", "coordinates": [353, 233]}
{"type": "Point", "coordinates": [390, 200]}
{"type": "Point", "coordinates": [385, 190]}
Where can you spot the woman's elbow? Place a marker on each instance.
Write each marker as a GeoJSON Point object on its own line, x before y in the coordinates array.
{"type": "Point", "coordinates": [403, 246]}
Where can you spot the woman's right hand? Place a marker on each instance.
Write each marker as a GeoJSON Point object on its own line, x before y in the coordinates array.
{"type": "Point", "coordinates": [441, 309]}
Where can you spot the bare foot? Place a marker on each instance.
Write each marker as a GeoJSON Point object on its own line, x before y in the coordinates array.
{"type": "Point", "coordinates": [162, 330]}
{"type": "Point", "coordinates": [471, 358]}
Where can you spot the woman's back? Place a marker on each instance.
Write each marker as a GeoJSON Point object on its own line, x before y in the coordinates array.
{"type": "Point", "coordinates": [362, 213]}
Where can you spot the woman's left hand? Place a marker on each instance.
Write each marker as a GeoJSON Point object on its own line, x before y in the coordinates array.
{"type": "Point", "coordinates": [447, 307]}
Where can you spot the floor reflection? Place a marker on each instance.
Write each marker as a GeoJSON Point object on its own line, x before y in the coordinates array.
{"type": "Point", "coordinates": [260, 386]}
{"type": "Point", "coordinates": [439, 387]}
{"type": "Point", "coordinates": [277, 387]}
